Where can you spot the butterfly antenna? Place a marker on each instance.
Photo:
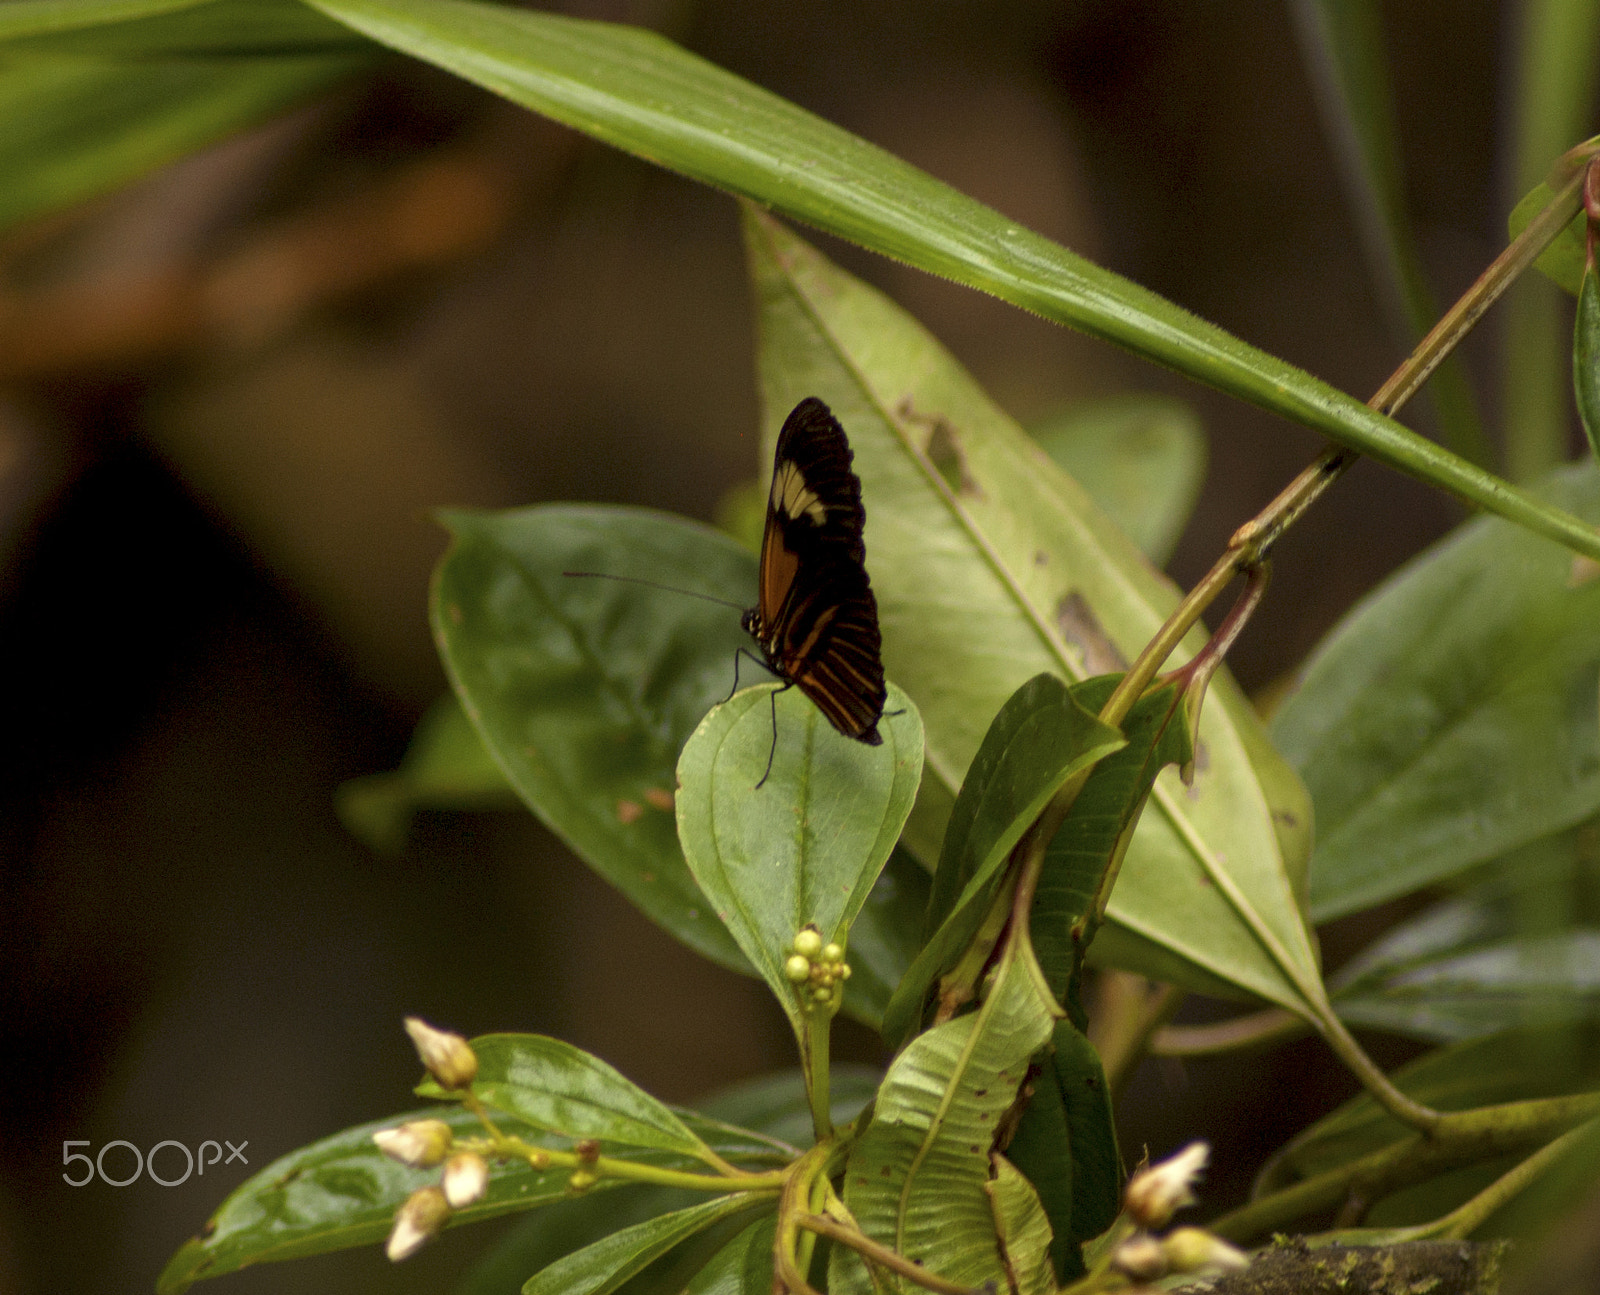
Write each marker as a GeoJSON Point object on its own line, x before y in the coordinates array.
{"type": "Point", "coordinates": [636, 580]}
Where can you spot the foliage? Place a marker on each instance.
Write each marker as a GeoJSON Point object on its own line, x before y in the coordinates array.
{"type": "Point", "coordinates": [1044, 798]}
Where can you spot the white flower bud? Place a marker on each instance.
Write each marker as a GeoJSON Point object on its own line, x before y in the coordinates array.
{"type": "Point", "coordinates": [1141, 1258]}
{"type": "Point", "coordinates": [1191, 1249]}
{"type": "Point", "coordinates": [1154, 1194]}
{"type": "Point", "coordinates": [466, 1179]}
{"type": "Point", "coordinates": [419, 1143]}
{"type": "Point", "coordinates": [446, 1056]}
{"type": "Point", "coordinates": [417, 1222]}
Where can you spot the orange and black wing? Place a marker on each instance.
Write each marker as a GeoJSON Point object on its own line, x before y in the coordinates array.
{"type": "Point", "coordinates": [817, 622]}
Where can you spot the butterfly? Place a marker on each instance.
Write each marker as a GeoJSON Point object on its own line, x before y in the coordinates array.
{"type": "Point", "coordinates": [816, 621]}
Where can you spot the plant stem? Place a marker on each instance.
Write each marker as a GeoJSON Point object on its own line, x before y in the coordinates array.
{"type": "Point", "coordinates": [1251, 544]}
{"type": "Point", "coordinates": [633, 1171]}
{"type": "Point", "coordinates": [1460, 1138]}
{"type": "Point", "coordinates": [819, 1032]}
{"type": "Point", "coordinates": [881, 1255]}
{"type": "Point", "coordinates": [794, 1204]}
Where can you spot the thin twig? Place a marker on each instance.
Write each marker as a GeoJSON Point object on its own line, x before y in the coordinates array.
{"type": "Point", "coordinates": [882, 1255]}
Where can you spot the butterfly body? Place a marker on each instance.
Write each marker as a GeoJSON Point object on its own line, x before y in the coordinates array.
{"type": "Point", "coordinates": [816, 621]}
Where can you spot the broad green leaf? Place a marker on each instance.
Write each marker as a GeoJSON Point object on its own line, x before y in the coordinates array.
{"type": "Point", "coordinates": [603, 1266]}
{"type": "Point", "coordinates": [885, 936]}
{"type": "Point", "coordinates": [1450, 716]}
{"type": "Point", "coordinates": [1562, 261]}
{"type": "Point", "coordinates": [1141, 458]}
{"type": "Point", "coordinates": [1343, 45]}
{"type": "Point", "coordinates": [561, 1089]}
{"type": "Point", "coordinates": [1514, 1066]}
{"type": "Point", "coordinates": [342, 1192]}
{"type": "Point", "coordinates": [1514, 949]}
{"type": "Point", "coordinates": [77, 127]}
{"type": "Point", "coordinates": [1096, 832]}
{"type": "Point", "coordinates": [917, 1179]}
{"type": "Point", "coordinates": [1022, 1230]}
{"type": "Point", "coordinates": [1586, 358]}
{"type": "Point", "coordinates": [990, 566]}
{"type": "Point", "coordinates": [804, 847]}
{"type": "Point", "coordinates": [445, 767]}
{"type": "Point", "coordinates": [36, 17]}
{"type": "Point", "coordinates": [1039, 739]}
{"type": "Point", "coordinates": [639, 92]}
{"type": "Point", "coordinates": [743, 1266]}
{"type": "Point", "coordinates": [773, 1108]}
{"type": "Point", "coordinates": [274, 29]}
{"type": "Point", "coordinates": [585, 691]}
{"type": "Point", "coordinates": [1066, 1145]}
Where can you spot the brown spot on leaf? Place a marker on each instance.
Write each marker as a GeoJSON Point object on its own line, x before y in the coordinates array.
{"type": "Point", "coordinates": [659, 797]}
{"type": "Point", "coordinates": [629, 811]}
{"type": "Point", "coordinates": [1078, 625]}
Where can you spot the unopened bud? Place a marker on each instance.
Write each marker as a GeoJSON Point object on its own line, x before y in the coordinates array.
{"type": "Point", "coordinates": [587, 1150]}
{"type": "Point", "coordinates": [797, 967]}
{"type": "Point", "coordinates": [417, 1222]}
{"type": "Point", "coordinates": [833, 953]}
{"type": "Point", "coordinates": [446, 1056]}
{"type": "Point", "coordinates": [466, 1180]}
{"type": "Point", "coordinates": [1191, 1249]}
{"type": "Point", "coordinates": [1141, 1258]}
{"type": "Point", "coordinates": [1154, 1194]}
{"type": "Point", "coordinates": [419, 1143]}
{"type": "Point", "coordinates": [582, 1180]}
{"type": "Point", "coordinates": [808, 943]}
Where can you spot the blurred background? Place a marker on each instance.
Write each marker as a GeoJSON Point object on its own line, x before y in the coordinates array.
{"type": "Point", "coordinates": [230, 395]}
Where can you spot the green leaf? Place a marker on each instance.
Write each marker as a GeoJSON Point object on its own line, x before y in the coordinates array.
{"type": "Point", "coordinates": [639, 92]}
{"type": "Point", "coordinates": [806, 846]}
{"type": "Point", "coordinates": [1343, 45]}
{"type": "Point", "coordinates": [774, 1107]}
{"type": "Point", "coordinates": [1508, 951]}
{"type": "Point", "coordinates": [36, 17]}
{"type": "Point", "coordinates": [885, 936]}
{"type": "Point", "coordinates": [139, 32]}
{"type": "Point", "coordinates": [445, 767]}
{"type": "Point", "coordinates": [1141, 458]}
{"type": "Point", "coordinates": [584, 691]}
{"type": "Point", "coordinates": [603, 1266]}
{"type": "Point", "coordinates": [1022, 1230]}
{"type": "Point", "coordinates": [917, 1179]}
{"type": "Point", "coordinates": [743, 1266]}
{"type": "Point", "coordinates": [77, 127]}
{"type": "Point", "coordinates": [1096, 832]}
{"type": "Point", "coordinates": [1562, 261]}
{"type": "Point", "coordinates": [1011, 573]}
{"type": "Point", "coordinates": [1450, 716]}
{"type": "Point", "coordinates": [1514, 1066]}
{"type": "Point", "coordinates": [561, 1089]}
{"type": "Point", "coordinates": [1066, 1145]}
{"type": "Point", "coordinates": [1039, 739]}
{"type": "Point", "coordinates": [343, 1192]}
{"type": "Point", "coordinates": [1586, 358]}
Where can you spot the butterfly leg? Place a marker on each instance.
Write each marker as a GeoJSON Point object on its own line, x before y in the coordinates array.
{"type": "Point", "coordinates": [737, 653]}
{"type": "Point", "coordinates": [773, 750]}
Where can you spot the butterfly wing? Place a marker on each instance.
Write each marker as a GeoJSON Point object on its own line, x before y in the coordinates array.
{"type": "Point", "coordinates": [817, 621]}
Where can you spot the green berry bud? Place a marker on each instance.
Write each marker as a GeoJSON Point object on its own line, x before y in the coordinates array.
{"type": "Point", "coordinates": [808, 943]}
{"type": "Point", "coordinates": [797, 967]}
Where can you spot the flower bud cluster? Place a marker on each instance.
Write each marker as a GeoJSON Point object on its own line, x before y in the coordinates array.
{"type": "Point", "coordinates": [423, 1144]}
{"type": "Point", "coordinates": [1152, 1196]}
{"type": "Point", "coordinates": [816, 970]}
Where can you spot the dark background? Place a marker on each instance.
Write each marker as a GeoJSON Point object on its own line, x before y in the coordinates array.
{"type": "Point", "coordinates": [214, 543]}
